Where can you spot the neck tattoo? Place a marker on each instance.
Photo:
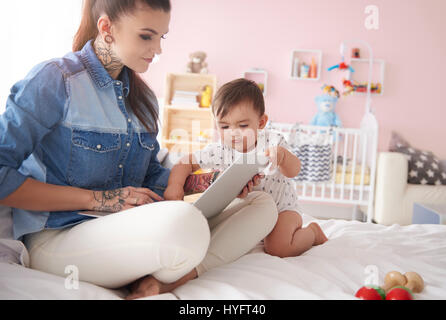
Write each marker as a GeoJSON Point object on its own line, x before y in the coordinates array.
{"type": "Point", "coordinates": [111, 62]}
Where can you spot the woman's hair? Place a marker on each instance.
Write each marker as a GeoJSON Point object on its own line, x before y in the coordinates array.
{"type": "Point", "coordinates": [235, 92]}
{"type": "Point", "coordinates": [88, 30]}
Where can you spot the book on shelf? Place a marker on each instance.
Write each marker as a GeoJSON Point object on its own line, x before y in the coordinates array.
{"type": "Point", "coordinates": [186, 99]}
{"type": "Point", "coordinates": [186, 93]}
{"type": "Point", "coordinates": [195, 105]}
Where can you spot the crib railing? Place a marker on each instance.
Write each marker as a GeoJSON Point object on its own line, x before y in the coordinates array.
{"type": "Point", "coordinates": [353, 166]}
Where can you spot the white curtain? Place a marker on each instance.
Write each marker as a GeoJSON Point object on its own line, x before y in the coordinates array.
{"type": "Point", "coordinates": [32, 31]}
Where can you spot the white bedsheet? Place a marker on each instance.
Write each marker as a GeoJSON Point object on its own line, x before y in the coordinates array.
{"type": "Point", "coordinates": [335, 270]}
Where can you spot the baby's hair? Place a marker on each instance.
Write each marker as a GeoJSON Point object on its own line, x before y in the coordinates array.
{"type": "Point", "coordinates": [235, 92]}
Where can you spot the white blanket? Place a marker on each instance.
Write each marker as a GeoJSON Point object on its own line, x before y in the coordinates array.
{"type": "Point", "coordinates": [334, 270]}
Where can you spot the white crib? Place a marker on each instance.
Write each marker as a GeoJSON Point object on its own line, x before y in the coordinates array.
{"type": "Point", "coordinates": [352, 180]}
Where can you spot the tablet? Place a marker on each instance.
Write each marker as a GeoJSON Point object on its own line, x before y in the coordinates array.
{"type": "Point", "coordinates": [230, 184]}
{"type": "Point", "coordinates": [225, 189]}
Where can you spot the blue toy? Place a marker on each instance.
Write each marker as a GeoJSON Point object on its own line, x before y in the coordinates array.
{"type": "Point", "coordinates": [326, 103]}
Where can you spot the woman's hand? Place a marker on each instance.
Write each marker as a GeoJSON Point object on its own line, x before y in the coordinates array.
{"type": "Point", "coordinates": [174, 192]}
{"type": "Point", "coordinates": [251, 184]}
{"type": "Point", "coordinates": [122, 199]}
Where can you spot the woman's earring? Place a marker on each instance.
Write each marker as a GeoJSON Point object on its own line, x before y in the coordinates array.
{"type": "Point", "coordinates": [108, 39]}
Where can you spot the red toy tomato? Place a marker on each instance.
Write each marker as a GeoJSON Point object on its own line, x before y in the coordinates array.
{"type": "Point", "coordinates": [399, 293]}
{"type": "Point", "coordinates": [370, 292]}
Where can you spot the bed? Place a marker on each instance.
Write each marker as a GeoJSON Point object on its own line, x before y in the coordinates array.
{"type": "Point", "coordinates": [334, 270]}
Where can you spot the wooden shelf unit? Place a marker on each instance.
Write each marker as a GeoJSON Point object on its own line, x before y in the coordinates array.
{"type": "Point", "coordinates": [182, 126]}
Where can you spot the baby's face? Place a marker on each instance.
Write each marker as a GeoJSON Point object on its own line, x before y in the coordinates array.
{"type": "Point", "coordinates": [238, 129]}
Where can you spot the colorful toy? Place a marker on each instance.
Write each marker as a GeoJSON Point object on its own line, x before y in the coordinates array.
{"type": "Point", "coordinates": [326, 116]}
{"type": "Point", "coordinates": [313, 69]}
{"type": "Point", "coordinates": [331, 91]}
{"type": "Point", "coordinates": [304, 70]}
{"type": "Point", "coordinates": [342, 65]}
{"type": "Point", "coordinates": [396, 287]}
{"type": "Point", "coordinates": [350, 87]}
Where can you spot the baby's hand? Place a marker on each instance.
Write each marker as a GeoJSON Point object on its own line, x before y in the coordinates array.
{"type": "Point", "coordinates": [174, 192]}
{"type": "Point", "coordinates": [276, 156]}
{"type": "Point", "coordinates": [251, 184]}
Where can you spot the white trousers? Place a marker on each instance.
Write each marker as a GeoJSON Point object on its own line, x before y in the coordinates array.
{"type": "Point", "coordinates": [165, 239]}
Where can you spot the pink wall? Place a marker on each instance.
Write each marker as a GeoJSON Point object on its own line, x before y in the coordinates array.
{"type": "Point", "coordinates": [241, 34]}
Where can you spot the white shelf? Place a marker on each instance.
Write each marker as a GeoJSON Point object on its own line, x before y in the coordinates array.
{"type": "Point", "coordinates": [382, 66]}
{"type": "Point", "coordinates": [305, 56]}
{"type": "Point", "coordinates": [261, 72]}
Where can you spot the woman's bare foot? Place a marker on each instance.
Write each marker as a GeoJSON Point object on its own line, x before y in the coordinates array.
{"type": "Point", "coordinates": [149, 286]}
{"type": "Point", "coordinates": [320, 237]}
{"type": "Point", "coordinates": [145, 287]}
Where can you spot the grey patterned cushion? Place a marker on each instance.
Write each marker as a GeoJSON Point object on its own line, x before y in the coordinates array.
{"type": "Point", "coordinates": [424, 167]}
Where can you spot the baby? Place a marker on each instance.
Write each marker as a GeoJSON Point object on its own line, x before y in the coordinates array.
{"type": "Point", "coordinates": [239, 111]}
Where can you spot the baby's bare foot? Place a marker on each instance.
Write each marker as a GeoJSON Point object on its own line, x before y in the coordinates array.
{"type": "Point", "coordinates": [320, 237]}
{"type": "Point", "coordinates": [146, 287]}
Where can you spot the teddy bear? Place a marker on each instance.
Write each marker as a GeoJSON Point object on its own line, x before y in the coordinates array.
{"type": "Point", "coordinates": [326, 103]}
{"type": "Point", "coordinates": [197, 63]}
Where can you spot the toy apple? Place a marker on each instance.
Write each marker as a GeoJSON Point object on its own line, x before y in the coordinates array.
{"type": "Point", "coordinates": [399, 293]}
{"type": "Point", "coordinates": [370, 292]}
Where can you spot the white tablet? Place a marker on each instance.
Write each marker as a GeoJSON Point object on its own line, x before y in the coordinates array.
{"type": "Point", "coordinates": [230, 184]}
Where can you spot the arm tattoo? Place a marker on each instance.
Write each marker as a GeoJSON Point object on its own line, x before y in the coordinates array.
{"type": "Point", "coordinates": [110, 201]}
{"type": "Point", "coordinates": [198, 183]}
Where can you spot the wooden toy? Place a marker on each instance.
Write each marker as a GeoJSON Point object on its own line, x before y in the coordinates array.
{"type": "Point", "coordinates": [393, 279]}
{"type": "Point", "coordinates": [407, 284]}
{"type": "Point", "coordinates": [414, 282]}
{"type": "Point", "coordinates": [410, 280]}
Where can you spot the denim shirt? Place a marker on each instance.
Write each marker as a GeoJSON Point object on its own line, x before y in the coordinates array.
{"type": "Point", "coordinates": [67, 124]}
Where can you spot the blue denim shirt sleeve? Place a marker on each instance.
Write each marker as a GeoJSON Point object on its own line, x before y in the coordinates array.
{"type": "Point", "coordinates": [157, 176]}
{"type": "Point", "coordinates": [34, 107]}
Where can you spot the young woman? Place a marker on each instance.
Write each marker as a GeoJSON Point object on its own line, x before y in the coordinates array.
{"type": "Point", "coordinates": [79, 134]}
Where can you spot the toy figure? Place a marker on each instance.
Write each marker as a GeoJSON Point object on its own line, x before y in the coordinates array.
{"type": "Point", "coordinates": [326, 116]}
{"type": "Point", "coordinates": [342, 65]}
{"type": "Point", "coordinates": [206, 97]}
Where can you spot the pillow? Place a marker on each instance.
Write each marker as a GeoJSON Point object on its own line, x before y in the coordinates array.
{"type": "Point", "coordinates": [424, 167]}
{"type": "Point", "coordinates": [11, 251]}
